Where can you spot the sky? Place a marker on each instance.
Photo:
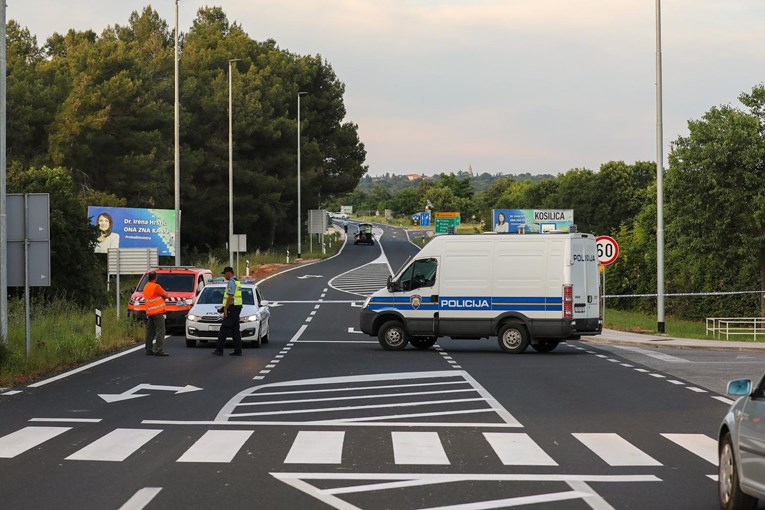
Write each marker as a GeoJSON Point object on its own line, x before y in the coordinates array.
{"type": "Point", "coordinates": [499, 86]}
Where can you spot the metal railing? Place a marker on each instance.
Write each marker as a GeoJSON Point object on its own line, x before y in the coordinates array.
{"type": "Point", "coordinates": [733, 326]}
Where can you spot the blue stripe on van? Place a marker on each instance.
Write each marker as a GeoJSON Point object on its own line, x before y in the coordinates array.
{"type": "Point", "coordinates": [470, 303]}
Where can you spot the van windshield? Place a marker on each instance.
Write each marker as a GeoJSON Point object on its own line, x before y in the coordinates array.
{"type": "Point", "coordinates": [421, 274]}
{"type": "Point", "coordinates": [171, 282]}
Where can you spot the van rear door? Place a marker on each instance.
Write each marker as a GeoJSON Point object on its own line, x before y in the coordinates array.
{"type": "Point", "coordinates": [585, 278]}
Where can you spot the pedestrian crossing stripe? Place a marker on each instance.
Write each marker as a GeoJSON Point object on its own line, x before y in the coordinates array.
{"type": "Point", "coordinates": [18, 442]}
{"type": "Point", "coordinates": [313, 447]}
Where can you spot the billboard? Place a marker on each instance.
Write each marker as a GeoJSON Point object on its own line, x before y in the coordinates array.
{"type": "Point", "coordinates": [126, 227]}
{"type": "Point", "coordinates": [515, 221]}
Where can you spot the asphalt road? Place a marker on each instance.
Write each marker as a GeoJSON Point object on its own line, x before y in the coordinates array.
{"type": "Point", "coordinates": [323, 417]}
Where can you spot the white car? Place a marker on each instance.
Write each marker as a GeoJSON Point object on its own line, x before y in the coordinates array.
{"type": "Point", "coordinates": [339, 215]}
{"type": "Point", "coordinates": [204, 320]}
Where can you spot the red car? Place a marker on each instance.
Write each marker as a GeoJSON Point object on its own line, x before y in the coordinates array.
{"type": "Point", "coordinates": [182, 284]}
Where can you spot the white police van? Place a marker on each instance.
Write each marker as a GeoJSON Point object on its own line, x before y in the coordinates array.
{"type": "Point", "coordinates": [525, 289]}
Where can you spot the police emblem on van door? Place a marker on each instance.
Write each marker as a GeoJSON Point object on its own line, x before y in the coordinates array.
{"type": "Point", "coordinates": [416, 300]}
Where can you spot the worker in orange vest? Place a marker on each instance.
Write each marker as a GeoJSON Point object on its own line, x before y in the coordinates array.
{"type": "Point", "coordinates": [154, 296]}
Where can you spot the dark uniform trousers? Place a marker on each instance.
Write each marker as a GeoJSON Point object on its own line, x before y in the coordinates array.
{"type": "Point", "coordinates": [230, 327]}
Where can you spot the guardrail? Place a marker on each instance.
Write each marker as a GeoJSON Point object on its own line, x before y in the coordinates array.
{"type": "Point", "coordinates": [732, 326]}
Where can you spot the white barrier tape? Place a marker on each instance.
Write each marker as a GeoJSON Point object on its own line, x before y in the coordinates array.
{"type": "Point", "coordinates": [676, 294]}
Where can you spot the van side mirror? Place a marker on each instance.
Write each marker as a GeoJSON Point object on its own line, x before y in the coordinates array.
{"type": "Point", "coordinates": [393, 286]}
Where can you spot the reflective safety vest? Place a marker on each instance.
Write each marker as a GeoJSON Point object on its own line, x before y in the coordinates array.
{"type": "Point", "coordinates": [155, 304]}
{"type": "Point", "coordinates": [237, 295]}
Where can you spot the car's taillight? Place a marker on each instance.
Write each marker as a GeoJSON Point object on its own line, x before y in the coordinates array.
{"type": "Point", "coordinates": [568, 302]}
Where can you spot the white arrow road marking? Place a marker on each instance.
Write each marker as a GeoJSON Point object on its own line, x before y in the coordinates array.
{"type": "Point", "coordinates": [353, 330]}
{"type": "Point", "coordinates": [309, 276]}
{"type": "Point", "coordinates": [133, 392]}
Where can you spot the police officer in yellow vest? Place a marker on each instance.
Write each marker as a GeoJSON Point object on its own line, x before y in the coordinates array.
{"type": "Point", "coordinates": [232, 308]}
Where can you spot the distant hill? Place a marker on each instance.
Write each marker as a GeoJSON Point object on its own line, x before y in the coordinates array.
{"type": "Point", "coordinates": [395, 183]}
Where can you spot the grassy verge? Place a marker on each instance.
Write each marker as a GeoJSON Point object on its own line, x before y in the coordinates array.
{"type": "Point", "coordinates": [61, 336]}
{"type": "Point", "coordinates": [635, 322]}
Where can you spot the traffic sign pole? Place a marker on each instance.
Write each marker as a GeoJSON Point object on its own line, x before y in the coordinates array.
{"type": "Point", "coordinates": [608, 251]}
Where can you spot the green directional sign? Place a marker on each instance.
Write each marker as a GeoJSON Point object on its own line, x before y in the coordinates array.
{"type": "Point", "coordinates": [446, 221]}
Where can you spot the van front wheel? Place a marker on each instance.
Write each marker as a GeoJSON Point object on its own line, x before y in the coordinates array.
{"type": "Point", "coordinates": [392, 336]}
{"type": "Point", "coordinates": [513, 338]}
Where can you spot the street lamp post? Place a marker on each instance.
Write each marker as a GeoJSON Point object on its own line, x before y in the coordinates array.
{"type": "Point", "coordinates": [660, 325]}
{"type": "Point", "coordinates": [176, 137]}
{"type": "Point", "coordinates": [3, 197]}
{"type": "Point", "coordinates": [299, 222]}
{"type": "Point", "coordinates": [231, 163]}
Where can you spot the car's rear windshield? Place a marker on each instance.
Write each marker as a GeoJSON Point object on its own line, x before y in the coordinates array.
{"type": "Point", "coordinates": [171, 282]}
{"type": "Point", "coordinates": [214, 296]}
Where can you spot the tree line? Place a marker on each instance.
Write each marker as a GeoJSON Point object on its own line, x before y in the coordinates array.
{"type": "Point", "coordinates": [91, 119]}
{"type": "Point", "coordinates": [714, 212]}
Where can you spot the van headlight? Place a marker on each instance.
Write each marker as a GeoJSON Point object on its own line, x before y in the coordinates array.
{"type": "Point", "coordinates": [192, 317]}
{"type": "Point", "coordinates": [250, 318]}
{"type": "Point", "coordinates": [189, 301]}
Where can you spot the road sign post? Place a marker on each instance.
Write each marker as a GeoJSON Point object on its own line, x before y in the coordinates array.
{"type": "Point", "coordinates": [608, 251]}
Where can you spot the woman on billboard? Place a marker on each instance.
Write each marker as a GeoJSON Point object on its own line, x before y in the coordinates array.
{"type": "Point", "coordinates": [107, 238]}
{"type": "Point", "coordinates": [501, 227]}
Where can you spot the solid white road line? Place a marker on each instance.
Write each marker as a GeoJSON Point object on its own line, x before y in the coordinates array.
{"type": "Point", "coordinates": [27, 438]}
{"type": "Point", "coordinates": [615, 450]}
{"type": "Point", "coordinates": [141, 498]}
{"type": "Point", "coordinates": [317, 447]}
{"type": "Point", "coordinates": [68, 420]}
{"type": "Point", "coordinates": [216, 446]}
{"type": "Point", "coordinates": [115, 446]}
{"type": "Point", "coordinates": [421, 448]}
{"type": "Point", "coordinates": [698, 444]}
{"type": "Point", "coordinates": [518, 449]}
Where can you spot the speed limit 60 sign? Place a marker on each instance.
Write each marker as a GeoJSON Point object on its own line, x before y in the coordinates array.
{"type": "Point", "coordinates": [608, 250]}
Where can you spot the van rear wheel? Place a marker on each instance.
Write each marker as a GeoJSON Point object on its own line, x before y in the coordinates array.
{"type": "Point", "coordinates": [392, 336]}
{"type": "Point", "coordinates": [423, 343]}
{"type": "Point", "coordinates": [513, 338]}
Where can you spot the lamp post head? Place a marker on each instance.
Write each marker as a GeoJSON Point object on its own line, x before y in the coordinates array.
{"type": "Point", "coordinates": [302, 94]}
